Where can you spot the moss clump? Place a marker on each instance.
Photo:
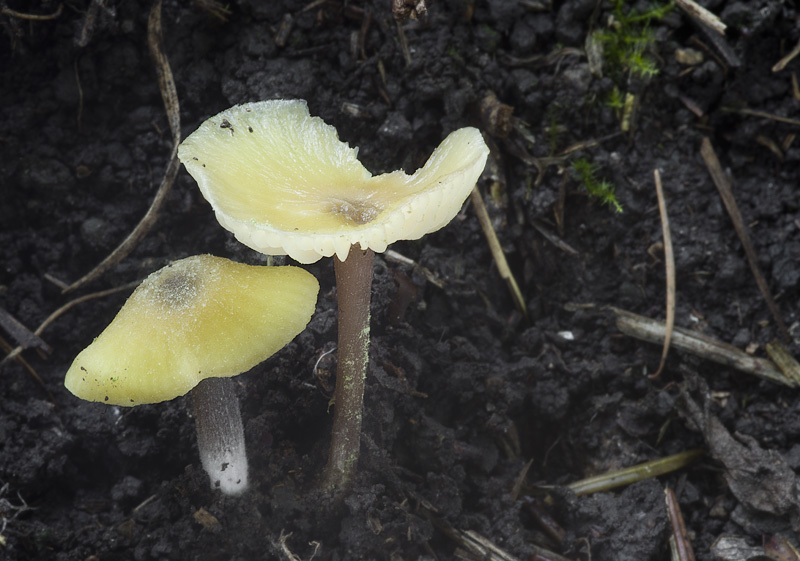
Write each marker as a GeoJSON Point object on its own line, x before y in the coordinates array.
{"type": "Point", "coordinates": [600, 189]}
{"type": "Point", "coordinates": [628, 39]}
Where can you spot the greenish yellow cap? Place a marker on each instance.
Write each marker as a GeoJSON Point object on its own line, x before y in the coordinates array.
{"type": "Point", "coordinates": [284, 184]}
{"type": "Point", "coordinates": [196, 318]}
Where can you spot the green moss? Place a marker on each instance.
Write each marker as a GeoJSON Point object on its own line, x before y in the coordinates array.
{"type": "Point", "coordinates": [600, 189]}
{"type": "Point", "coordinates": [615, 99]}
{"type": "Point", "coordinates": [627, 40]}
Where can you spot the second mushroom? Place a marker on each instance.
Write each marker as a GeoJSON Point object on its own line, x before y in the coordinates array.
{"type": "Point", "coordinates": [189, 327]}
{"type": "Point", "coordinates": [284, 184]}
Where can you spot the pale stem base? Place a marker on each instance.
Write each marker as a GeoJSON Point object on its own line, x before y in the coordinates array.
{"type": "Point", "coordinates": [220, 434]}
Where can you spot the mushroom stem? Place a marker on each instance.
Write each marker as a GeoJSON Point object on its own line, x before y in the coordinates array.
{"type": "Point", "coordinates": [220, 435]}
{"type": "Point", "coordinates": [353, 282]}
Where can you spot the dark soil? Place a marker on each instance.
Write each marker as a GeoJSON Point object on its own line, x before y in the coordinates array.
{"type": "Point", "coordinates": [462, 391]}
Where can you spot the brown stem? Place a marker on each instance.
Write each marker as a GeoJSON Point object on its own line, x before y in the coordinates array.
{"type": "Point", "coordinates": [353, 285]}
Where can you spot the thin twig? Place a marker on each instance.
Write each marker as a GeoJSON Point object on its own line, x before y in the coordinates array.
{"type": "Point", "coordinates": [543, 519]}
{"type": "Point", "coordinates": [583, 144]}
{"type": "Point", "coordinates": [55, 281]}
{"type": "Point", "coordinates": [680, 536]}
{"type": "Point", "coordinates": [553, 238]}
{"type": "Point", "coordinates": [481, 547]}
{"type": "Point", "coordinates": [166, 83]}
{"type": "Point", "coordinates": [6, 348]}
{"type": "Point", "coordinates": [21, 334]}
{"type": "Point", "coordinates": [32, 17]}
{"type": "Point", "coordinates": [520, 480]}
{"type": "Point", "coordinates": [394, 257]}
{"type": "Point", "coordinates": [722, 62]}
{"type": "Point", "coordinates": [781, 64]}
{"type": "Point", "coordinates": [401, 37]}
{"type": "Point", "coordinates": [646, 470]}
{"type": "Point", "coordinates": [169, 95]}
{"type": "Point", "coordinates": [478, 547]}
{"type": "Point", "coordinates": [724, 187]}
{"type": "Point", "coordinates": [699, 13]}
{"type": "Point", "coordinates": [55, 315]}
{"type": "Point", "coordinates": [764, 115]}
{"type": "Point", "coordinates": [669, 264]}
{"type": "Point", "coordinates": [144, 503]}
{"type": "Point", "coordinates": [699, 345]}
{"type": "Point", "coordinates": [79, 118]}
{"type": "Point", "coordinates": [497, 251]}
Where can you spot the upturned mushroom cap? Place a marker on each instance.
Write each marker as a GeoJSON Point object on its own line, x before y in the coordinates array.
{"type": "Point", "coordinates": [197, 318]}
{"type": "Point", "coordinates": [284, 183]}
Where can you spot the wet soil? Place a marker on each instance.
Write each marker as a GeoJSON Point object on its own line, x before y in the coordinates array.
{"type": "Point", "coordinates": [463, 392]}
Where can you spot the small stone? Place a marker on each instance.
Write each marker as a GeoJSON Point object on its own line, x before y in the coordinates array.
{"type": "Point", "coordinates": [206, 519]}
{"type": "Point", "coordinates": [689, 57]}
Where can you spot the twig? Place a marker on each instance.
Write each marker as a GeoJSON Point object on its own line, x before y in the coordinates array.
{"type": "Point", "coordinates": [477, 547]}
{"type": "Point", "coordinates": [401, 37]}
{"type": "Point", "coordinates": [583, 144]}
{"type": "Point", "coordinates": [362, 33]}
{"type": "Point", "coordinates": [313, 5]}
{"type": "Point", "coordinates": [635, 473]}
{"type": "Point", "coordinates": [680, 536]}
{"type": "Point", "coordinates": [481, 547]}
{"type": "Point", "coordinates": [55, 315]}
{"type": "Point", "coordinates": [729, 58]}
{"type": "Point", "coordinates": [764, 115]}
{"type": "Point", "coordinates": [497, 251]}
{"type": "Point", "coordinates": [55, 281]}
{"type": "Point", "coordinates": [699, 13]}
{"type": "Point", "coordinates": [166, 83]}
{"type": "Point", "coordinates": [770, 145]}
{"type": "Point", "coordinates": [79, 118]}
{"type": "Point", "coordinates": [216, 9]}
{"type": "Point", "coordinates": [781, 64]}
{"type": "Point", "coordinates": [288, 552]}
{"type": "Point", "coordinates": [560, 206]}
{"type": "Point", "coordinates": [553, 238]}
{"type": "Point", "coordinates": [6, 348]}
{"type": "Point", "coordinates": [544, 520]}
{"type": "Point", "coordinates": [669, 264]}
{"type": "Point", "coordinates": [520, 480]}
{"type": "Point", "coordinates": [21, 334]}
{"type": "Point", "coordinates": [32, 17]}
{"type": "Point", "coordinates": [144, 503]}
{"type": "Point", "coordinates": [395, 257]}
{"type": "Point", "coordinates": [700, 345]}
{"type": "Point", "coordinates": [169, 94]}
{"type": "Point", "coordinates": [724, 186]}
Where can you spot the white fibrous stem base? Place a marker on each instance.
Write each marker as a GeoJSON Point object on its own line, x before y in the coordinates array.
{"type": "Point", "coordinates": [220, 434]}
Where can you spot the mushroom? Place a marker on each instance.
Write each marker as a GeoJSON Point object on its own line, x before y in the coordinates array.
{"type": "Point", "coordinates": [189, 327]}
{"type": "Point", "coordinates": [284, 184]}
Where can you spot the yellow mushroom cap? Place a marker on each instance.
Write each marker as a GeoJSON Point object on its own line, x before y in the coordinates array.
{"type": "Point", "coordinates": [196, 318]}
{"type": "Point", "coordinates": [284, 183]}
